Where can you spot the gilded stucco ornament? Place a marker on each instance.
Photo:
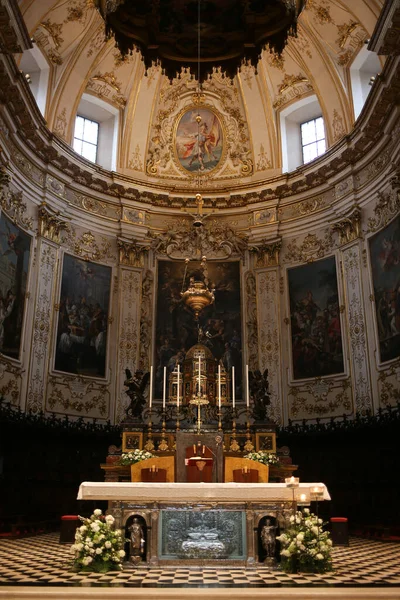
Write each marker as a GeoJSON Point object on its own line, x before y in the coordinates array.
{"type": "Point", "coordinates": [87, 247]}
{"type": "Point", "coordinates": [349, 228]}
{"type": "Point", "coordinates": [12, 204]}
{"type": "Point", "coordinates": [214, 239]}
{"type": "Point", "coordinates": [77, 394]}
{"type": "Point", "coordinates": [319, 398]}
{"type": "Point", "coordinates": [311, 248]}
{"type": "Point", "coordinates": [146, 313]}
{"type": "Point", "coordinates": [50, 224]}
{"type": "Point", "coordinates": [131, 253]}
{"type": "Point", "coordinates": [267, 253]}
{"type": "Point", "coordinates": [388, 206]}
{"type": "Point", "coordinates": [389, 385]}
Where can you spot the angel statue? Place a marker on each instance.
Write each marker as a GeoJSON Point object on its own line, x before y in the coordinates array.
{"type": "Point", "coordinates": [137, 385]}
{"type": "Point", "coordinates": [258, 384]}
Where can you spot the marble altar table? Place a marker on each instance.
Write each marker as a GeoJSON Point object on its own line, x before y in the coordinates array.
{"type": "Point", "coordinates": [201, 523]}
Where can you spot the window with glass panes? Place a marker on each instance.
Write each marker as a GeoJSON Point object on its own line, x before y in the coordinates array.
{"type": "Point", "coordinates": [86, 137]}
{"type": "Point", "coordinates": [312, 139]}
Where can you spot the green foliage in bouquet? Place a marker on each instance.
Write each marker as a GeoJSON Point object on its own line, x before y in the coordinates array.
{"type": "Point", "coordinates": [98, 546]}
{"type": "Point", "coordinates": [135, 456]}
{"type": "Point", "coordinates": [305, 546]}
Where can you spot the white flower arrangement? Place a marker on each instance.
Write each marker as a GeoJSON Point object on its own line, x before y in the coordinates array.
{"type": "Point", "coordinates": [266, 458]}
{"type": "Point", "coordinates": [135, 456]}
{"type": "Point", "coordinates": [305, 546]}
{"type": "Point", "coordinates": [98, 546]}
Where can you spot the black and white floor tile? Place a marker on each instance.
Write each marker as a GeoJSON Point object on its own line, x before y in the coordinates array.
{"type": "Point", "coordinates": [40, 560]}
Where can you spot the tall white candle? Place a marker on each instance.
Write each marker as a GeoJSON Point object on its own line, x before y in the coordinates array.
{"type": "Point", "coordinates": [233, 387]}
{"type": "Point", "coordinates": [219, 386]}
{"type": "Point", "coordinates": [164, 388]}
{"type": "Point", "coordinates": [199, 375]}
{"type": "Point", "coordinates": [247, 387]}
{"type": "Point", "coordinates": [151, 386]}
{"type": "Point", "coordinates": [177, 391]}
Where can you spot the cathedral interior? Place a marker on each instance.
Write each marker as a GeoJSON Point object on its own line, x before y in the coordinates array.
{"type": "Point", "coordinates": [199, 232]}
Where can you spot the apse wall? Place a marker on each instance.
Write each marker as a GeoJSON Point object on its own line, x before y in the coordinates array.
{"type": "Point", "coordinates": [314, 256]}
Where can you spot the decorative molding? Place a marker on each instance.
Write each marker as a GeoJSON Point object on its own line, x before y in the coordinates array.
{"type": "Point", "coordinates": [311, 248]}
{"type": "Point", "coordinates": [269, 350]}
{"type": "Point", "coordinates": [50, 224]}
{"type": "Point", "coordinates": [251, 321]}
{"type": "Point", "coordinates": [42, 326]}
{"type": "Point", "coordinates": [357, 330]}
{"type": "Point", "coordinates": [146, 313]}
{"type": "Point", "coordinates": [349, 228]}
{"type": "Point", "coordinates": [74, 394]}
{"type": "Point", "coordinates": [130, 253]}
{"type": "Point", "coordinates": [389, 385]}
{"type": "Point", "coordinates": [387, 208]}
{"type": "Point", "coordinates": [12, 204]}
{"type": "Point", "coordinates": [267, 254]}
{"type": "Point", "coordinates": [87, 247]}
{"type": "Point", "coordinates": [213, 239]}
{"type": "Point", "coordinates": [10, 380]}
{"type": "Point", "coordinates": [320, 398]}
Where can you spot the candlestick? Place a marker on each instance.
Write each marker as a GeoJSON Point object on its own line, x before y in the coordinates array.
{"type": "Point", "coordinates": [177, 391]}
{"type": "Point", "coordinates": [219, 386]}
{"type": "Point", "coordinates": [199, 376]}
{"type": "Point", "coordinates": [233, 387]}
{"type": "Point", "coordinates": [151, 386]}
{"type": "Point", "coordinates": [247, 387]}
{"type": "Point", "coordinates": [164, 388]}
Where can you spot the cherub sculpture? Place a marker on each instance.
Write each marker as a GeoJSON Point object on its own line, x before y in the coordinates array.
{"type": "Point", "coordinates": [258, 383]}
{"type": "Point", "coordinates": [137, 385]}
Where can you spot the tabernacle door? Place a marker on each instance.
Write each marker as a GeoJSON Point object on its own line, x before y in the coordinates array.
{"type": "Point", "coordinates": [188, 446]}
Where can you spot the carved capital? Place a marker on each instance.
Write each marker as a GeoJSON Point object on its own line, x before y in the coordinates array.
{"type": "Point", "coordinates": [267, 255]}
{"type": "Point", "coordinates": [130, 253]}
{"type": "Point", "coordinates": [349, 228]}
{"type": "Point", "coordinates": [50, 224]}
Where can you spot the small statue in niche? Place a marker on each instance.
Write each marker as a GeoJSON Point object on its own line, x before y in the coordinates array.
{"type": "Point", "coordinates": [136, 540]}
{"type": "Point", "coordinates": [137, 385]}
{"type": "Point", "coordinates": [268, 540]}
{"type": "Point", "coordinates": [259, 386]}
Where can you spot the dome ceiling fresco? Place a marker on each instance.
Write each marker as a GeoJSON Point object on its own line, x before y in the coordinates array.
{"type": "Point", "coordinates": [243, 114]}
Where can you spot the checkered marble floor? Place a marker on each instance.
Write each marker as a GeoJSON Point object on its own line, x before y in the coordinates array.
{"type": "Point", "coordinates": [41, 561]}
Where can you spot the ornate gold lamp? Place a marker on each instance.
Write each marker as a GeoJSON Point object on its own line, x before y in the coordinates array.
{"type": "Point", "coordinates": [197, 296]}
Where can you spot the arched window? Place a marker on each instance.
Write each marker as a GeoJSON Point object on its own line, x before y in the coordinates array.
{"type": "Point", "coordinates": [365, 65]}
{"type": "Point", "coordinates": [94, 116]}
{"type": "Point", "coordinates": [34, 64]}
{"type": "Point", "coordinates": [291, 120]}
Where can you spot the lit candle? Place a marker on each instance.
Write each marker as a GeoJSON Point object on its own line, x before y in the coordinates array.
{"type": "Point", "coordinates": [177, 391]}
{"type": "Point", "coordinates": [233, 387]}
{"type": "Point", "coordinates": [199, 375]}
{"type": "Point", "coordinates": [164, 388]}
{"type": "Point", "coordinates": [219, 386]}
{"type": "Point", "coordinates": [303, 497]}
{"type": "Point", "coordinates": [194, 448]}
{"type": "Point", "coordinates": [204, 449]}
{"type": "Point", "coordinates": [247, 387]}
{"type": "Point", "coordinates": [151, 387]}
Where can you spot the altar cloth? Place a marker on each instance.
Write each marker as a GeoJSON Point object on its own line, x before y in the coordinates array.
{"type": "Point", "coordinates": [188, 492]}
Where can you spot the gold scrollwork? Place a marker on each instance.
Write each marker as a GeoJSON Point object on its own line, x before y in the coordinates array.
{"type": "Point", "coordinates": [349, 228]}
{"type": "Point", "coordinates": [130, 253]}
{"type": "Point", "coordinates": [267, 254]}
{"type": "Point", "coordinates": [11, 203]}
{"type": "Point", "coordinates": [388, 206]}
{"type": "Point", "coordinates": [50, 224]}
{"type": "Point", "coordinates": [310, 249]}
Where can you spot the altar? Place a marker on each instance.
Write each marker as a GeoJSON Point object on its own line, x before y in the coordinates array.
{"type": "Point", "coordinates": [200, 523]}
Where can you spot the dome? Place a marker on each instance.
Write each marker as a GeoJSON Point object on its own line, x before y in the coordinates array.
{"type": "Point", "coordinates": [199, 349]}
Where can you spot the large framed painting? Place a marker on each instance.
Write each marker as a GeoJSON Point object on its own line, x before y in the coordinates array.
{"type": "Point", "coordinates": [15, 249]}
{"type": "Point", "coordinates": [316, 331]}
{"type": "Point", "coordinates": [199, 145]}
{"type": "Point", "coordinates": [220, 323]}
{"type": "Point", "coordinates": [384, 248]}
{"type": "Point", "coordinates": [83, 317]}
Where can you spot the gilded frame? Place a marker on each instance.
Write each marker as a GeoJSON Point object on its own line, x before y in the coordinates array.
{"type": "Point", "coordinates": [202, 111]}
{"type": "Point", "coordinates": [266, 442]}
{"type": "Point", "coordinates": [132, 440]}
